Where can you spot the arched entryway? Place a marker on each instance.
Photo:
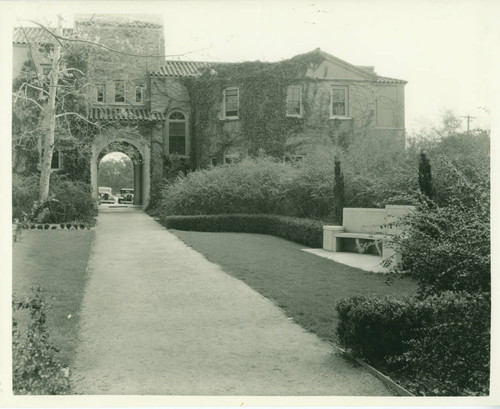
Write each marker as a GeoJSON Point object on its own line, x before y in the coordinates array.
{"type": "Point", "coordinates": [138, 151]}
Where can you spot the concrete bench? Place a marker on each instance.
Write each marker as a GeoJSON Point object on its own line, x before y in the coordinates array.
{"type": "Point", "coordinates": [368, 225]}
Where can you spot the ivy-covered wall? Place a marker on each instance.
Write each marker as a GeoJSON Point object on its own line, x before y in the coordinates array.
{"type": "Point", "coordinates": [262, 124]}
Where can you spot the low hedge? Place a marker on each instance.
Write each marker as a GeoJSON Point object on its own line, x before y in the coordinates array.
{"type": "Point", "coordinates": [437, 346]}
{"type": "Point", "coordinates": [303, 231]}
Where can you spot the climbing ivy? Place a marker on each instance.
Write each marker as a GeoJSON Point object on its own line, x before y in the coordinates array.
{"type": "Point", "coordinates": [263, 125]}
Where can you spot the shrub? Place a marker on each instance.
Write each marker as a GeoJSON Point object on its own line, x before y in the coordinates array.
{"type": "Point", "coordinates": [24, 194]}
{"type": "Point", "coordinates": [448, 248]}
{"type": "Point", "coordinates": [436, 346]}
{"type": "Point", "coordinates": [72, 200]}
{"type": "Point", "coordinates": [251, 186]}
{"type": "Point", "coordinates": [35, 366]}
{"type": "Point", "coordinates": [304, 231]}
{"type": "Point", "coordinates": [68, 201]}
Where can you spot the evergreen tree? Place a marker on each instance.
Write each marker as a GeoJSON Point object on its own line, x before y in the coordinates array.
{"type": "Point", "coordinates": [425, 176]}
{"type": "Point", "coordinates": [338, 192]}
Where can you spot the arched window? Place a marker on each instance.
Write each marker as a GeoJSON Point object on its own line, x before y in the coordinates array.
{"type": "Point", "coordinates": [177, 133]}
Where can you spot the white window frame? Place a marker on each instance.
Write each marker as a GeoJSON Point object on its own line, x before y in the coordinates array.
{"type": "Point", "coordinates": [186, 136]}
{"type": "Point", "coordinates": [97, 93]}
{"type": "Point", "coordinates": [346, 102]}
{"type": "Point", "coordinates": [300, 102]}
{"type": "Point", "coordinates": [224, 103]}
{"type": "Point", "coordinates": [124, 92]}
{"type": "Point", "coordinates": [141, 87]}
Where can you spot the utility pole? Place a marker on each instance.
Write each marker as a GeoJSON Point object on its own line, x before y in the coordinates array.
{"type": "Point", "coordinates": [468, 121]}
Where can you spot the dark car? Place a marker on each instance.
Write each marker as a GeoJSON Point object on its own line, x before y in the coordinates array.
{"type": "Point", "coordinates": [127, 196]}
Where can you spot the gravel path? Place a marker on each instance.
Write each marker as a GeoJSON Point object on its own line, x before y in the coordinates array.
{"type": "Point", "coordinates": [160, 319]}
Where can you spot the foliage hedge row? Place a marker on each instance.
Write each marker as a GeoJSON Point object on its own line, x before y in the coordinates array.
{"type": "Point", "coordinates": [439, 345]}
{"type": "Point", "coordinates": [68, 200]}
{"type": "Point", "coordinates": [303, 231]}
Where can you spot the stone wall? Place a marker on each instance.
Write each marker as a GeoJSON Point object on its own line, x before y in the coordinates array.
{"type": "Point", "coordinates": [130, 38]}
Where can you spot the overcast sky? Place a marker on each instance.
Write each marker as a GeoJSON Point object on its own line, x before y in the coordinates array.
{"type": "Point", "coordinates": [446, 50]}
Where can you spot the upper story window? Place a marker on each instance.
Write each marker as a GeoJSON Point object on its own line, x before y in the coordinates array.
{"type": "Point", "coordinates": [294, 101]}
{"type": "Point", "coordinates": [119, 91]}
{"type": "Point", "coordinates": [340, 101]}
{"type": "Point", "coordinates": [139, 93]}
{"type": "Point", "coordinates": [100, 92]}
{"type": "Point", "coordinates": [177, 133]}
{"type": "Point", "coordinates": [231, 102]}
{"type": "Point", "coordinates": [46, 69]}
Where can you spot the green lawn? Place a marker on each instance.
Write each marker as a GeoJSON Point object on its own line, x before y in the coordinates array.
{"type": "Point", "coordinates": [55, 260]}
{"type": "Point", "coordinates": [305, 286]}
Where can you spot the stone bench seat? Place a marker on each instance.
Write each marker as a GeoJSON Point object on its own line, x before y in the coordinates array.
{"type": "Point", "coordinates": [367, 236]}
{"type": "Point", "coordinates": [365, 224]}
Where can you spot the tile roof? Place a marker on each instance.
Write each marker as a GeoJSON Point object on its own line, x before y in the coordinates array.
{"type": "Point", "coordinates": [124, 114]}
{"type": "Point", "coordinates": [181, 68]}
{"type": "Point", "coordinates": [176, 68]}
{"type": "Point", "coordinates": [36, 35]}
{"type": "Point", "coordinates": [388, 80]}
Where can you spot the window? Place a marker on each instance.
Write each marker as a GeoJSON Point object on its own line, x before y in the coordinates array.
{"type": "Point", "coordinates": [56, 160]}
{"type": "Point", "coordinates": [231, 102]}
{"type": "Point", "coordinates": [119, 91]}
{"type": "Point", "coordinates": [139, 93]}
{"type": "Point", "coordinates": [100, 92]}
{"type": "Point", "coordinates": [340, 102]}
{"type": "Point", "coordinates": [294, 101]}
{"type": "Point", "coordinates": [177, 134]}
{"type": "Point", "coordinates": [46, 70]}
{"type": "Point", "coordinates": [56, 163]}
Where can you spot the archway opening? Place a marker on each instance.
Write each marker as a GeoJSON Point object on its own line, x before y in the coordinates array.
{"type": "Point", "coordinates": [120, 174]}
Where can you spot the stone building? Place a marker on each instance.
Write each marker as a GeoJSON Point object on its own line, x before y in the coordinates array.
{"type": "Point", "coordinates": [155, 112]}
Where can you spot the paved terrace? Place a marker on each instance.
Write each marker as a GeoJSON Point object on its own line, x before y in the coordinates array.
{"type": "Point", "coordinates": [158, 318]}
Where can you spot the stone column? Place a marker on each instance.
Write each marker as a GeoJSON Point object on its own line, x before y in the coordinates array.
{"type": "Point", "coordinates": [138, 184]}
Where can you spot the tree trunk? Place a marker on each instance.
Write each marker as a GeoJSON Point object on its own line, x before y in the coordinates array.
{"type": "Point", "coordinates": [50, 120]}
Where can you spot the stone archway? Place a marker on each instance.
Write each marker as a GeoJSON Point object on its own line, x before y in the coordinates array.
{"type": "Point", "coordinates": [141, 164]}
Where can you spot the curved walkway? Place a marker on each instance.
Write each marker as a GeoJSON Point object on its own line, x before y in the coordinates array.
{"type": "Point", "coordinates": [158, 318]}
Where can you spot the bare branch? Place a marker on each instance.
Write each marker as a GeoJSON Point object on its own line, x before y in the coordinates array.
{"type": "Point", "coordinates": [71, 69]}
{"type": "Point", "coordinates": [28, 99]}
{"type": "Point", "coordinates": [81, 40]}
{"type": "Point", "coordinates": [77, 115]}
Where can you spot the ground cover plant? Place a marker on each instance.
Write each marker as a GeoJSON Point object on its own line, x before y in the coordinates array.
{"type": "Point", "coordinates": [305, 286]}
{"type": "Point", "coordinates": [55, 261]}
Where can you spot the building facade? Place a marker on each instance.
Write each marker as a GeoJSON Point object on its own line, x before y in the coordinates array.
{"type": "Point", "coordinates": [201, 114]}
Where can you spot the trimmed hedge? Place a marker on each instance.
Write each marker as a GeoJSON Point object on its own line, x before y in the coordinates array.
{"type": "Point", "coordinates": [437, 346]}
{"type": "Point", "coordinates": [303, 231]}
